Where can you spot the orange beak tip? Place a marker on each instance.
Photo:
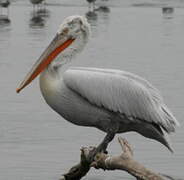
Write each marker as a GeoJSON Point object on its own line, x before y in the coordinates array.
{"type": "Point", "coordinates": [17, 90]}
{"type": "Point", "coordinates": [46, 58]}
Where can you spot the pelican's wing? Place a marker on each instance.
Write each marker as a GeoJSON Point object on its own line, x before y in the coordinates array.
{"type": "Point", "coordinates": [122, 92]}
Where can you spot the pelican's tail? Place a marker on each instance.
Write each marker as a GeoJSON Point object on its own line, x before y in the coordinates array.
{"type": "Point", "coordinates": [158, 134]}
{"type": "Point", "coordinates": [154, 131]}
{"type": "Point", "coordinates": [167, 142]}
{"type": "Point", "coordinates": [169, 122]}
{"type": "Point", "coordinates": [163, 138]}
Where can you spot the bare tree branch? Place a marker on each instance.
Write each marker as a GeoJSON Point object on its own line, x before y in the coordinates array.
{"type": "Point", "coordinates": [124, 162]}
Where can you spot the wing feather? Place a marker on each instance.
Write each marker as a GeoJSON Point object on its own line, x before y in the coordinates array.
{"type": "Point", "coordinates": [122, 92]}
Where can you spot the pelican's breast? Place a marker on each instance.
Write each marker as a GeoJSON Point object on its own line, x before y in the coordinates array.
{"type": "Point", "coordinates": [49, 85]}
{"type": "Point", "coordinates": [70, 105]}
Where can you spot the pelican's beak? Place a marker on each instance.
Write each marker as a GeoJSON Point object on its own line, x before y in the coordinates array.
{"type": "Point", "coordinates": [57, 45]}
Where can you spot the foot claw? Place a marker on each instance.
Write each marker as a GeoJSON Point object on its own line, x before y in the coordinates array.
{"type": "Point", "coordinates": [92, 155]}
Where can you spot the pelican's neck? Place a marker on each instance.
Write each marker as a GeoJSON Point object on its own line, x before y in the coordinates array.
{"type": "Point", "coordinates": [65, 58]}
{"type": "Point", "coordinates": [57, 69]}
{"type": "Point", "coordinates": [61, 63]}
{"type": "Point", "coordinates": [50, 80]}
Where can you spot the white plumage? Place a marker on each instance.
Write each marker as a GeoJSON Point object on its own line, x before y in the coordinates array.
{"type": "Point", "coordinates": [122, 92]}
{"type": "Point", "coordinates": [113, 101]}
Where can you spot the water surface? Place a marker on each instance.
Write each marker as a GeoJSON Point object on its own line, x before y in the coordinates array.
{"type": "Point", "coordinates": [35, 142]}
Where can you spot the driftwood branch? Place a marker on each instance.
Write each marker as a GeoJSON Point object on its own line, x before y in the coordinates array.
{"type": "Point", "coordinates": [124, 162]}
{"type": "Point", "coordinates": [81, 169]}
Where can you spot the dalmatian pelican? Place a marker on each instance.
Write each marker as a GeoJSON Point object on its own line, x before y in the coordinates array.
{"type": "Point", "coordinates": [113, 101]}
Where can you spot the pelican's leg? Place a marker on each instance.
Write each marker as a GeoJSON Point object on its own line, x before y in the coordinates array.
{"type": "Point", "coordinates": [33, 9]}
{"type": "Point", "coordinates": [111, 127]}
{"type": "Point", "coordinates": [44, 5]}
{"type": "Point", "coordinates": [39, 7]}
{"type": "Point", "coordinates": [93, 6]}
{"type": "Point", "coordinates": [8, 12]}
{"type": "Point", "coordinates": [107, 139]}
{"type": "Point", "coordinates": [103, 145]}
{"type": "Point", "coordinates": [3, 13]}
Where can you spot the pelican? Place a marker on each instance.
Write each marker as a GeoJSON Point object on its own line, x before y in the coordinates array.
{"type": "Point", "coordinates": [4, 4]}
{"type": "Point", "coordinates": [36, 3]}
{"type": "Point", "coordinates": [91, 2]}
{"type": "Point", "coordinates": [113, 101]}
{"type": "Point", "coordinates": [167, 10]}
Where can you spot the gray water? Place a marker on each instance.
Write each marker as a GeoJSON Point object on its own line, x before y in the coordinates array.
{"type": "Point", "coordinates": [35, 142]}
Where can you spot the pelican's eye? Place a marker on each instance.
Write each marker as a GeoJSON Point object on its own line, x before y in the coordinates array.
{"type": "Point", "coordinates": [65, 31]}
{"type": "Point", "coordinates": [70, 24]}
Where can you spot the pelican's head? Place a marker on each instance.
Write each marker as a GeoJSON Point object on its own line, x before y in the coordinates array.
{"type": "Point", "coordinates": [70, 38]}
{"type": "Point", "coordinates": [74, 27]}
